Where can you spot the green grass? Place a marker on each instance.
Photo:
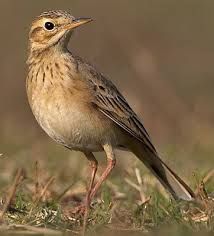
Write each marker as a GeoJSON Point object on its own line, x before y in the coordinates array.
{"type": "Point", "coordinates": [53, 181]}
{"type": "Point", "coordinates": [117, 209]}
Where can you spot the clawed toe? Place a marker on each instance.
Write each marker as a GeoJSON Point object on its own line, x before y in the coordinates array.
{"type": "Point", "coordinates": [79, 210]}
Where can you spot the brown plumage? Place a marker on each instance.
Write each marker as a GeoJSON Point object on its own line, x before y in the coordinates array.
{"type": "Point", "coordinates": [80, 108]}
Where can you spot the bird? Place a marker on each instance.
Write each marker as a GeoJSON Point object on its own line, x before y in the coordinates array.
{"type": "Point", "coordinates": [80, 108]}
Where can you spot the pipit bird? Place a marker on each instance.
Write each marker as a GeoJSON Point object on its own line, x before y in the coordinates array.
{"type": "Point", "coordinates": [80, 108]}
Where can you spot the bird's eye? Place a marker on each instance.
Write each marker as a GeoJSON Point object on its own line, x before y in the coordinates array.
{"type": "Point", "coordinates": [49, 26]}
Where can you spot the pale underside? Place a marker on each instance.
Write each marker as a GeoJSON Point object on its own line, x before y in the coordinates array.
{"type": "Point", "coordinates": [70, 105]}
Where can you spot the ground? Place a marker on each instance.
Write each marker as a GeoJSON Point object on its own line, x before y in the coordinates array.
{"type": "Point", "coordinates": [39, 196]}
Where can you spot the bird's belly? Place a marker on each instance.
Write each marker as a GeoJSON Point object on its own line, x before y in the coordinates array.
{"type": "Point", "coordinates": [74, 125]}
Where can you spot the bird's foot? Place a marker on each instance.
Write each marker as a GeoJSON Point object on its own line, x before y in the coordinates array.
{"type": "Point", "coordinates": [79, 210]}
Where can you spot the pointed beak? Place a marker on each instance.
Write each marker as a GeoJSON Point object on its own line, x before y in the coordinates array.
{"type": "Point", "coordinates": [77, 22]}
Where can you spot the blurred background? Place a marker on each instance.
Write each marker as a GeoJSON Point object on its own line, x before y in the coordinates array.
{"type": "Point", "coordinates": [160, 54]}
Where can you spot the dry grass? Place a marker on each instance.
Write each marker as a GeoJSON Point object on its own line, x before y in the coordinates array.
{"type": "Point", "coordinates": [36, 203]}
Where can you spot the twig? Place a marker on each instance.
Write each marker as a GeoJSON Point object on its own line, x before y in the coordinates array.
{"type": "Point", "coordinates": [119, 228]}
{"type": "Point", "coordinates": [140, 182]}
{"type": "Point", "coordinates": [35, 229]}
{"type": "Point", "coordinates": [49, 182]}
{"type": "Point", "coordinates": [128, 181]}
{"type": "Point", "coordinates": [164, 209]}
{"type": "Point", "coordinates": [37, 179]}
{"type": "Point", "coordinates": [209, 175]}
{"type": "Point", "coordinates": [12, 192]}
{"type": "Point", "coordinates": [58, 198]}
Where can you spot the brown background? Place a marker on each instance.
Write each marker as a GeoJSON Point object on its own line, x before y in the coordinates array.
{"type": "Point", "coordinates": [160, 54]}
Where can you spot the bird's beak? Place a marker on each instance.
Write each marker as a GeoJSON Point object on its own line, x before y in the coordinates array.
{"type": "Point", "coordinates": [77, 22]}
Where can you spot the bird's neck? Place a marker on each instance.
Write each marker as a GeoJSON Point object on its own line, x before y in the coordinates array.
{"type": "Point", "coordinates": [38, 52]}
{"type": "Point", "coordinates": [37, 56]}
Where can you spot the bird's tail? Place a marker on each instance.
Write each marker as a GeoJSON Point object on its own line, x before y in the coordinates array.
{"type": "Point", "coordinates": [171, 181]}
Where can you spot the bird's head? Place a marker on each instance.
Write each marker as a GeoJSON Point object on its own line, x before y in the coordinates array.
{"type": "Point", "coordinates": [52, 28]}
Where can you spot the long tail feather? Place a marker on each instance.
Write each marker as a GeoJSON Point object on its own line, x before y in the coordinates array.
{"type": "Point", "coordinates": [171, 181]}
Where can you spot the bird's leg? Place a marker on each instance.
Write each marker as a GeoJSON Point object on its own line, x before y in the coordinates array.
{"type": "Point", "coordinates": [93, 164]}
{"type": "Point", "coordinates": [111, 161]}
{"type": "Point", "coordinates": [83, 208]}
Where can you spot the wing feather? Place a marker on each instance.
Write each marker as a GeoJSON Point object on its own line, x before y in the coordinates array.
{"type": "Point", "coordinates": [112, 104]}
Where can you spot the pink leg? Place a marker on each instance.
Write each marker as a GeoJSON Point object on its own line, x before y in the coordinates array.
{"type": "Point", "coordinates": [93, 164]}
{"type": "Point", "coordinates": [110, 165]}
{"type": "Point", "coordinates": [83, 208]}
